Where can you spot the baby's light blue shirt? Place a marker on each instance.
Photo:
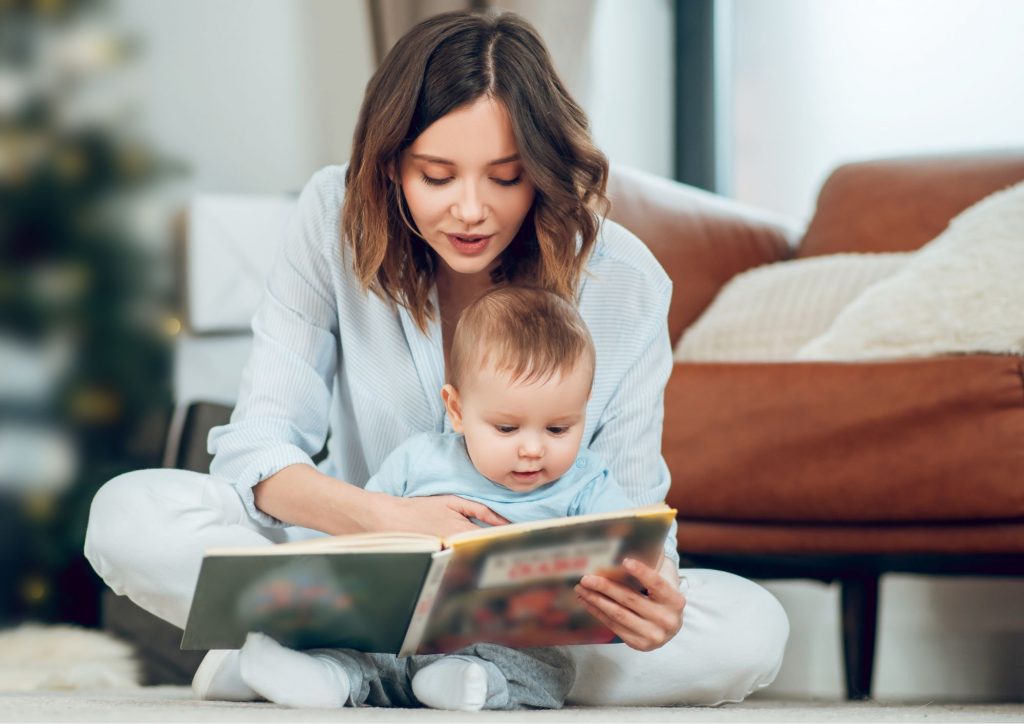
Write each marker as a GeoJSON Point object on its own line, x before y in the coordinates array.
{"type": "Point", "coordinates": [433, 463]}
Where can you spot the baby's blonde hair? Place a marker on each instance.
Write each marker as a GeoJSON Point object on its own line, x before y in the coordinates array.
{"type": "Point", "coordinates": [529, 332]}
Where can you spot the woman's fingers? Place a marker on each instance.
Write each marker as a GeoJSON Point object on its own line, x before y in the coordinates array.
{"type": "Point", "coordinates": [472, 509]}
{"type": "Point", "coordinates": [641, 607]}
{"type": "Point", "coordinates": [658, 588]}
{"type": "Point", "coordinates": [628, 626]}
{"type": "Point", "coordinates": [440, 515]}
{"type": "Point", "coordinates": [644, 621]}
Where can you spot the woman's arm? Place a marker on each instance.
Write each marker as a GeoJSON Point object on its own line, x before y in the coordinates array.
{"type": "Point", "coordinates": [302, 495]}
{"type": "Point", "coordinates": [284, 402]}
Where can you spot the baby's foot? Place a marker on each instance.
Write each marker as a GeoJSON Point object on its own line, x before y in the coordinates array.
{"type": "Point", "coordinates": [218, 678]}
{"type": "Point", "coordinates": [454, 682]}
{"type": "Point", "coordinates": [292, 678]}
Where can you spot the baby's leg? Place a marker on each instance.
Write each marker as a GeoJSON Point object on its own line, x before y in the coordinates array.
{"type": "Point", "coordinates": [494, 677]}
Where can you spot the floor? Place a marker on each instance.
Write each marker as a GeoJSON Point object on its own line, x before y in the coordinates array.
{"type": "Point", "coordinates": [161, 704]}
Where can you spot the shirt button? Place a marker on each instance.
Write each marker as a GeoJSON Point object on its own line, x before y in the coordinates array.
{"type": "Point", "coordinates": [581, 463]}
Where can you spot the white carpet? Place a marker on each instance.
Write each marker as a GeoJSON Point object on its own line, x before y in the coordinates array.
{"type": "Point", "coordinates": [161, 704]}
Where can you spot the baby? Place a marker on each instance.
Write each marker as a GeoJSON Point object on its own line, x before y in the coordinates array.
{"type": "Point", "coordinates": [520, 373]}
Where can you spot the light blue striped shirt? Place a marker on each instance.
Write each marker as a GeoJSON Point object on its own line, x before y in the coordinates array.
{"type": "Point", "coordinates": [327, 355]}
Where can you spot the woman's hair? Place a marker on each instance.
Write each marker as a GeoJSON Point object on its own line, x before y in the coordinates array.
{"type": "Point", "coordinates": [442, 64]}
{"type": "Point", "coordinates": [528, 332]}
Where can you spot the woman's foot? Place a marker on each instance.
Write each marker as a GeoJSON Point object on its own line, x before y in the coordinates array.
{"type": "Point", "coordinates": [292, 678]}
{"type": "Point", "coordinates": [218, 678]}
{"type": "Point", "coordinates": [454, 682]}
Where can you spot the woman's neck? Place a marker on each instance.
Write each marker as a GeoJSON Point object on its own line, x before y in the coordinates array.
{"type": "Point", "coordinates": [456, 291]}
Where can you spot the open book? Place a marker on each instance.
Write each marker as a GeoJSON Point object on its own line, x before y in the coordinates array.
{"type": "Point", "coordinates": [406, 594]}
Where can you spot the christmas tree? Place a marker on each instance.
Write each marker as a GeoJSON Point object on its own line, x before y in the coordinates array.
{"type": "Point", "coordinates": [85, 321]}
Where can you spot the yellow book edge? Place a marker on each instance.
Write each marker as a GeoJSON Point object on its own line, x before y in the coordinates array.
{"type": "Point", "coordinates": [419, 542]}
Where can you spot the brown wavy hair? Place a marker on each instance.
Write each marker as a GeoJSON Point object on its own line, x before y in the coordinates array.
{"type": "Point", "coordinates": [444, 63]}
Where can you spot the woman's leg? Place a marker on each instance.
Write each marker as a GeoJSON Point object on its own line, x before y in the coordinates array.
{"type": "Point", "coordinates": [148, 529]}
{"type": "Point", "coordinates": [731, 644]}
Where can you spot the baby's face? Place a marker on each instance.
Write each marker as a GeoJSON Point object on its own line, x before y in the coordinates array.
{"type": "Point", "coordinates": [522, 435]}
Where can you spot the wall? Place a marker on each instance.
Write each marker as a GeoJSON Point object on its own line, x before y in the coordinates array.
{"type": "Point", "coordinates": [255, 96]}
{"type": "Point", "coordinates": [628, 92]}
{"type": "Point", "coordinates": [819, 83]}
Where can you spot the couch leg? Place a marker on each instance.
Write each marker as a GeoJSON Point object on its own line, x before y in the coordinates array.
{"type": "Point", "coordinates": [860, 618]}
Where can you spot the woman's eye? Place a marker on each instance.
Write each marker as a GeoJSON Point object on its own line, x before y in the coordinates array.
{"type": "Point", "coordinates": [508, 182]}
{"type": "Point", "coordinates": [557, 429]}
{"type": "Point", "coordinates": [505, 428]}
{"type": "Point", "coordinates": [431, 181]}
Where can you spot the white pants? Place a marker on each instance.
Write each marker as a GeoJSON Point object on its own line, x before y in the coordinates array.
{"type": "Point", "coordinates": [148, 530]}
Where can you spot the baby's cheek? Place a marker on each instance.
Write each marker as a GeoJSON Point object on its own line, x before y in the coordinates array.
{"type": "Point", "coordinates": [564, 459]}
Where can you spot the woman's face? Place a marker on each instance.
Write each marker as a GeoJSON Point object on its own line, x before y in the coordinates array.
{"type": "Point", "coordinates": [465, 186]}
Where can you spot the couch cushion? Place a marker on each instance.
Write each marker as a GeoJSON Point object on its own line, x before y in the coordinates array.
{"type": "Point", "coordinates": [769, 312]}
{"type": "Point", "coordinates": [908, 441]}
{"type": "Point", "coordinates": [901, 204]}
{"type": "Point", "coordinates": [962, 292]}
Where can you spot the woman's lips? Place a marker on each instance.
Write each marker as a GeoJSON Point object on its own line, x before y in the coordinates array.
{"type": "Point", "coordinates": [469, 245]}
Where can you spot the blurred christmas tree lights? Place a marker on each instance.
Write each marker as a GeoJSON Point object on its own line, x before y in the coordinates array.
{"type": "Point", "coordinates": [85, 320]}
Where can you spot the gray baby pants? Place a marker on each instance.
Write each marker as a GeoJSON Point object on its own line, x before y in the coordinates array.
{"type": "Point", "coordinates": [516, 678]}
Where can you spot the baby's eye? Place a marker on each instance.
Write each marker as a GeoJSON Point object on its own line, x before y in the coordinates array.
{"type": "Point", "coordinates": [506, 429]}
{"type": "Point", "coordinates": [558, 429]}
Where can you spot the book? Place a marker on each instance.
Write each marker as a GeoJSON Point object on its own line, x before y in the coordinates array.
{"type": "Point", "coordinates": [405, 593]}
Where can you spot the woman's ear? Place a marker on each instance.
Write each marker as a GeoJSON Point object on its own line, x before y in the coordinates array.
{"type": "Point", "coordinates": [451, 403]}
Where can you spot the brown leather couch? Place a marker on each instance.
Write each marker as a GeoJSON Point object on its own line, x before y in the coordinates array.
{"type": "Point", "coordinates": [836, 471]}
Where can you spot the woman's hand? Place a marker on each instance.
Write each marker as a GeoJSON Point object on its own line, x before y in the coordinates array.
{"type": "Point", "coordinates": [644, 622]}
{"type": "Point", "coordinates": [440, 515]}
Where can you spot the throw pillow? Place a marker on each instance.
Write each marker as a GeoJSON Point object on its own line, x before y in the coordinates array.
{"type": "Point", "coordinates": [769, 312]}
{"type": "Point", "coordinates": [962, 292]}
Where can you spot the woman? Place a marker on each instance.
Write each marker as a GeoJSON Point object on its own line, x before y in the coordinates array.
{"type": "Point", "coordinates": [471, 165]}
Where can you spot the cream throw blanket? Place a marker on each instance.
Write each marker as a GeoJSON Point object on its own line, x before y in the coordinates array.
{"type": "Point", "coordinates": [962, 292]}
{"type": "Point", "coordinates": [767, 313]}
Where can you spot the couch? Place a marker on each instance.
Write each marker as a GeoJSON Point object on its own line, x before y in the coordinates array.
{"type": "Point", "coordinates": [832, 471]}
{"type": "Point", "coordinates": [836, 471]}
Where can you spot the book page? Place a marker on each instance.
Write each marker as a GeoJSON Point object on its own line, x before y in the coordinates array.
{"type": "Point", "coordinates": [513, 529]}
{"type": "Point", "coordinates": [357, 542]}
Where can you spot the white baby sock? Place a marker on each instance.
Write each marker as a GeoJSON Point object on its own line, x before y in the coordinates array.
{"type": "Point", "coordinates": [454, 682]}
{"type": "Point", "coordinates": [292, 678]}
{"type": "Point", "coordinates": [218, 678]}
